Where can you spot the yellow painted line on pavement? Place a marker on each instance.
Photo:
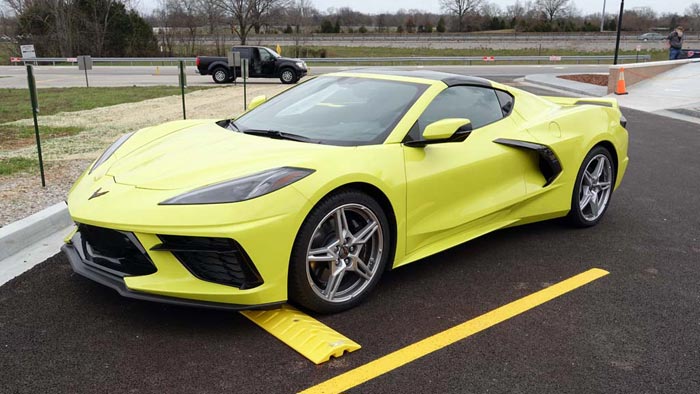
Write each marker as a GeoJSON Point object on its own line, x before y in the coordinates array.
{"type": "Point", "coordinates": [438, 341]}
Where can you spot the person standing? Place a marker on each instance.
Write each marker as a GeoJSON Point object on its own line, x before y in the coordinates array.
{"type": "Point", "coordinates": [675, 40]}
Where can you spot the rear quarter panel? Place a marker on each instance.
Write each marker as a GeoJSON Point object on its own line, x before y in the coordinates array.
{"type": "Point", "coordinates": [572, 131]}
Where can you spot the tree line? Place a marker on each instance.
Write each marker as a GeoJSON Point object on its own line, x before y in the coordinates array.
{"type": "Point", "coordinates": [74, 27]}
{"type": "Point", "coordinates": [115, 28]}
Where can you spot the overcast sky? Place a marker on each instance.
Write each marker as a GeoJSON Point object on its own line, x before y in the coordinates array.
{"type": "Point", "coordinates": [379, 6]}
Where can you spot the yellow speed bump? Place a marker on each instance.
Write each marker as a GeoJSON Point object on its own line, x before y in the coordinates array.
{"type": "Point", "coordinates": [308, 336]}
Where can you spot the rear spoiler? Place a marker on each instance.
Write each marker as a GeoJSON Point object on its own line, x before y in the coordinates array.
{"type": "Point", "coordinates": [603, 102]}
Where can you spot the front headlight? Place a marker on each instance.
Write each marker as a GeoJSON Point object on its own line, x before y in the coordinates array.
{"type": "Point", "coordinates": [301, 65]}
{"type": "Point", "coordinates": [108, 153]}
{"type": "Point", "coordinates": [241, 189]}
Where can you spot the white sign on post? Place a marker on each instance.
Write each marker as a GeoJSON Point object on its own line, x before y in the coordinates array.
{"type": "Point", "coordinates": [27, 51]}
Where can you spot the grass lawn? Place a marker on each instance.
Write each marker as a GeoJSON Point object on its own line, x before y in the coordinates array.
{"type": "Point", "coordinates": [17, 164]}
{"type": "Point", "coordinates": [10, 134]}
{"type": "Point", "coordinates": [15, 104]}
{"type": "Point", "coordinates": [8, 50]}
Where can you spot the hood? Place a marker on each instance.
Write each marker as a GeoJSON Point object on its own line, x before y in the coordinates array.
{"type": "Point", "coordinates": [290, 59]}
{"type": "Point", "coordinates": [205, 154]}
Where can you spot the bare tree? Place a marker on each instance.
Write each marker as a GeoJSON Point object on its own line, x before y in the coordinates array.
{"type": "Point", "coordinates": [63, 12]}
{"type": "Point", "coordinates": [299, 14]}
{"type": "Point", "coordinates": [263, 9]}
{"type": "Point", "coordinates": [248, 14]}
{"type": "Point", "coordinates": [552, 8]}
{"type": "Point", "coordinates": [17, 6]}
{"type": "Point", "coordinates": [164, 30]}
{"type": "Point", "coordinates": [460, 9]}
{"type": "Point", "coordinates": [211, 12]}
{"type": "Point", "coordinates": [693, 14]}
{"type": "Point", "coordinates": [186, 15]}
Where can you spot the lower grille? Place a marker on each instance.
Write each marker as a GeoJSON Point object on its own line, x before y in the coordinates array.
{"type": "Point", "coordinates": [115, 250]}
{"type": "Point", "coordinates": [217, 260]}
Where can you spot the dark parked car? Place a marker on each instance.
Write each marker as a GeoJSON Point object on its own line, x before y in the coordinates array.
{"type": "Point", "coordinates": [690, 54]}
{"type": "Point", "coordinates": [652, 37]}
{"type": "Point", "coordinates": [263, 63]}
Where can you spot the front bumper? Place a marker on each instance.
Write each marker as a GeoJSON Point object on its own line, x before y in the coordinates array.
{"type": "Point", "coordinates": [265, 228]}
{"type": "Point", "coordinates": [82, 267]}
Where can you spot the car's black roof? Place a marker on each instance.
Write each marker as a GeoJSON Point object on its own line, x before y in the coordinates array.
{"type": "Point", "coordinates": [448, 78]}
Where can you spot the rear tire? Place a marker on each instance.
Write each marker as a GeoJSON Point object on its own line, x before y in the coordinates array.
{"type": "Point", "coordinates": [330, 273]}
{"type": "Point", "coordinates": [221, 75]}
{"type": "Point", "coordinates": [593, 188]}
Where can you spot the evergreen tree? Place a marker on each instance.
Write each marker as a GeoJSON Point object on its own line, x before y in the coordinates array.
{"type": "Point", "coordinates": [441, 25]}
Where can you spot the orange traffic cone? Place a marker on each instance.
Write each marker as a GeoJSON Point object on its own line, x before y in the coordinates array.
{"type": "Point", "coordinates": [620, 88]}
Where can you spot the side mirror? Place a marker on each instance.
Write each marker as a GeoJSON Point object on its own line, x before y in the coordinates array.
{"type": "Point", "coordinates": [446, 128]}
{"type": "Point", "coordinates": [255, 102]}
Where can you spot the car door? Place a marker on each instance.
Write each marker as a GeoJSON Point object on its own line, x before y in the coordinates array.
{"type": "Point", "coordinates": [267, 63]}
{"type": "Point", "coordinates": [245, 54]}
{"type": "Point", "coordinates": [455, 189]}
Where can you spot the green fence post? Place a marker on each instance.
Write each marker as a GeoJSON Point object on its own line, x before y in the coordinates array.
{"type": "Point", "coordinates": [244, 70]}
{"type": "Point", "coordinates": [35, 110]}
{"type": "Point", "coordinates": [182, 88]}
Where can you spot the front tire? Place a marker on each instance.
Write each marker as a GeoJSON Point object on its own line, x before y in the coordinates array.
{"type": "Point", "coordinates": [221, 75]}
{"type": "Point", "coordinates": [593, 188]}
{"type": "Point", "coordinates": [340, 253]}
{"type": "Point", "coordinates": [288, 76]}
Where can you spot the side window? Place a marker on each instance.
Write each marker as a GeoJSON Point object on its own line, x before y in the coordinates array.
{"type": "Point", "coordinates": [506, 101]}
{"type": "Point", "coordinates": [478, 104]}
{"type": "Point", "coordinates": [245, 52]}
{"type": "Point", "coordinates": [265, 56]}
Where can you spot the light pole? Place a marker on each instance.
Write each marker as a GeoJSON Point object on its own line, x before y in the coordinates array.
{"type": "Point", "coordinates": [602, 18]}
{"type": "Point", "coordinates": [619, 29]}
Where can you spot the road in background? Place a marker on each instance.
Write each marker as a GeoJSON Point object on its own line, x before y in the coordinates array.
{"type": "Point", "coordinates": [70, 76]}
{"type": "Point", "coordinates": [633, 331]}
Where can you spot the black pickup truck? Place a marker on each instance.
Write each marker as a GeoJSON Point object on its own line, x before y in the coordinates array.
{"type": "Point", "coordinates": [263, 63]}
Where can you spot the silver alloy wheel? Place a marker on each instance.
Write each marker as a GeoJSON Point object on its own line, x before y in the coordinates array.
{"type": "Point", "coordinates": [220, 75]}
{"type": "Point", "coordinates": [595, 188]}
{"type": "Point", "coordinates": [344, 253]}
{"type": "Point", "coordinates": [287, 76]}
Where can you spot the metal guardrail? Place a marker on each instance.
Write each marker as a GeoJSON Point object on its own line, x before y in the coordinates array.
{"type": "Point", "coordinates": [362, 60]}
{"type": "Point", "coordinates": [471, 59]}
{"type": "Point", "coordinates": [130, 60]}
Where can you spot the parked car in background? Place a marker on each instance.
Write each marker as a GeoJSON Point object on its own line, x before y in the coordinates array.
{"type": "Point", "coordinates": [690, 54]}
{"type": "Point", "coordinates": [652, 37]}
{"type": "Point", "coordinates": [263, 63]}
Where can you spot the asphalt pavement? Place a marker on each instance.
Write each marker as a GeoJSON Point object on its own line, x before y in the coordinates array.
{"type": "Point", "coordinates": [636, 330]}
{"type": "Point", "coordinates": [70, 76]}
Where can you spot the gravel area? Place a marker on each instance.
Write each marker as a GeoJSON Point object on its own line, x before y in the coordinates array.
{"type": "Point", "coordinates": [67, 157]}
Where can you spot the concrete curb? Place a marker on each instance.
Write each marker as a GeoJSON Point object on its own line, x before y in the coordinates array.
{"type": "Point", "coordinates": [552, 81]}
{"type": "Point", "coordinates": [25, 232]}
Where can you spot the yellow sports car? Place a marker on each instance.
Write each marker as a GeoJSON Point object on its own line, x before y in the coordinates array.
{"type": "Point", "coordinates": [312, 194]}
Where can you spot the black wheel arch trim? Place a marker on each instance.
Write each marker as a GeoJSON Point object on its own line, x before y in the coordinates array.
{"type": "Point", "coordinates": [218, 64]}
{"type": "Point", "coordinates": [550, 166]}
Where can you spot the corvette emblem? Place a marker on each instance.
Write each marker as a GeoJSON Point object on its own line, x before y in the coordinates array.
{"type": "Point", "coordinates": [98, 193]}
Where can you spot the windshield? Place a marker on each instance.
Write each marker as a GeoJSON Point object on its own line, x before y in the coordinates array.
{"type": "Point", "coordinates": [273, 53]}
{"type": "Point", "coordinates": [336, 110]}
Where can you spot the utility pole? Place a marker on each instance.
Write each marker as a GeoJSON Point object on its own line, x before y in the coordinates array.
{"type": "Point", "coordinates": [619, 29]}
{"type": "Point", "coordinates": [602, 18]}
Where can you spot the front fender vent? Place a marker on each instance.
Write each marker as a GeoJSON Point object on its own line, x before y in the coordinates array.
{"type": "Point", "coordinates": [549, 164]}
{"type": "Point", "coordinates": [217, 260]}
